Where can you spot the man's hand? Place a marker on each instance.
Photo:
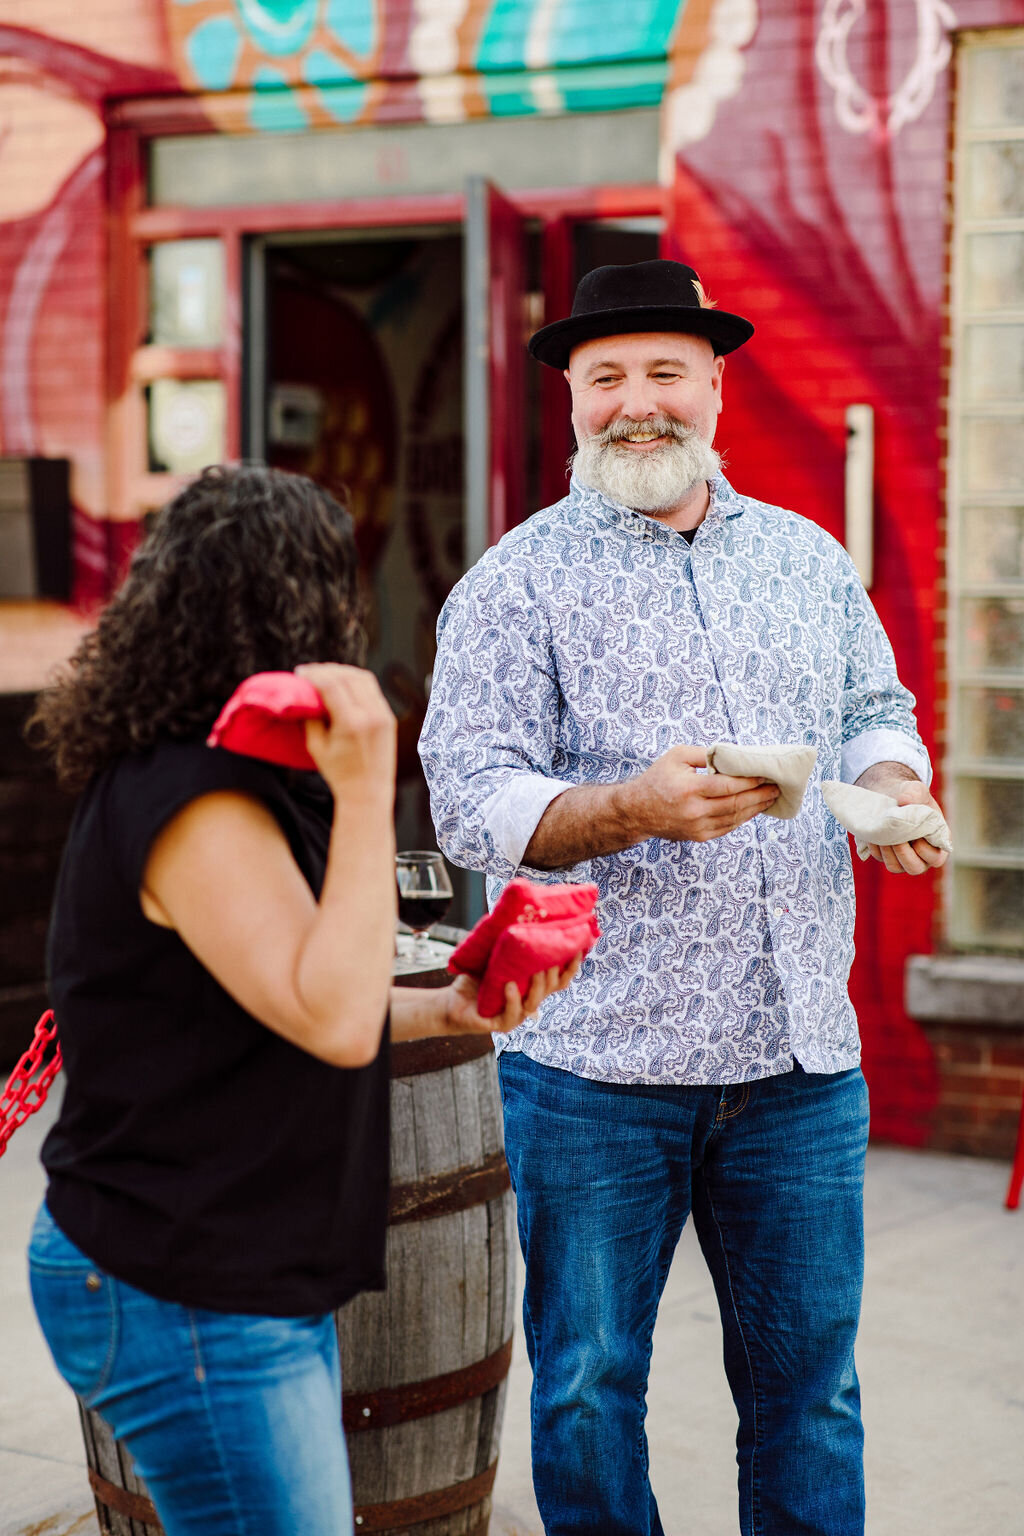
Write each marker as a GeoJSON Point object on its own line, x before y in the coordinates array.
{"type": "Point", "coordinates": [669, 799]}
{"type": "Point", "coordinates": [672, 800]}
{"type": "Point", "coordinates": [905, 787]}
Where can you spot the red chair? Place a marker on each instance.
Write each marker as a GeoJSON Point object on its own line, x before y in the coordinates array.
{"type": "Point", "coordinates": [1017, 1171]}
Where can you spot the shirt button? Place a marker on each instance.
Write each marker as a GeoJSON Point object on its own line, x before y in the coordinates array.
{"type": "Point", "coordinates": [93, 1282]}
{"type": "Point", "coordinates": [773, 837]}
{"type": "Point", "coordinates": [778, 911]}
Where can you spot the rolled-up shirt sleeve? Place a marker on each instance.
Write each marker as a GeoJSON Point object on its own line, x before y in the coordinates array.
{"type": "Point", "coordinates": [878, 712]}
{"type": "Point", "coordinates": [490, 734]}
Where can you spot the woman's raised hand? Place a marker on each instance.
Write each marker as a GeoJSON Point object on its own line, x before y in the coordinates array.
{"type": "Point", "coordinates": [355, 749]}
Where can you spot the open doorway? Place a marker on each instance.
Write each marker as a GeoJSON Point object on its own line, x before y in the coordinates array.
{"type": "Point", "coordinates": [357, 378]}
{"type": "Point", "coordinates": [364, 393]}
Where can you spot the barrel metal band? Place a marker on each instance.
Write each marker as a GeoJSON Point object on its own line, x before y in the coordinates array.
{"type": "Point", "coordinates": [122, 1500]}
{"type": "Point", "coordinates": [425, 1506]}
{"type": "Point", "coordinates": [442, 1193]}
{"type": "Point", "coordinates": [369, 1517]}
{"type": "Point", "coordinates": [419, 1399]}
{"type": "Point", "coordinates": [411, 1058]}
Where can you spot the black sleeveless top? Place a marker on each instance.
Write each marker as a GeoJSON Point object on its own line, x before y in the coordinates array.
{"type": "Point", "coordinates": [198, 1155]}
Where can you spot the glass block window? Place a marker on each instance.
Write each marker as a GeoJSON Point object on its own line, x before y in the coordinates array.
{"type": "Point", "coordinates": [186, 293]}
{"type": "Point", "coordinates": [986, 497]}
{"type": "Point", "coordinates": [186, 425]}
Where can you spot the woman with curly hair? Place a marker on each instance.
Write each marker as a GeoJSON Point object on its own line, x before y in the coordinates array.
{"type": "Point", "coordinates": [220, 958]}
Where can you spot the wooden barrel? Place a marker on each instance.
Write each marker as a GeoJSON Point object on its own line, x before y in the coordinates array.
{"type": "Point", "coordinates": [423, 1363]}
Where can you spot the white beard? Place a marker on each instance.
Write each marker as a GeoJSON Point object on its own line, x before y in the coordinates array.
{"type": "Point", "coordinates": [646, 482]}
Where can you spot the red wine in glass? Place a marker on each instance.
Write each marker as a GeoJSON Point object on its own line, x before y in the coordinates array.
{"type": "Point", "coordinates": [420, 910]}
{"type": "Point", "coordinates": [424, 894]}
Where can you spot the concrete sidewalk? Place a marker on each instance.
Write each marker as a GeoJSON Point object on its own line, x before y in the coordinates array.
{"type": "Point", "coordinates": [941, 1361]}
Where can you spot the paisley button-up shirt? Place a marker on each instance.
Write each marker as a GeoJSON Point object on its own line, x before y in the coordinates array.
{"type": "Point", "coordinates": [579, 649]}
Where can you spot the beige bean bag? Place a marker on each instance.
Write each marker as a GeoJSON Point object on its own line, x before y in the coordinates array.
{"type": "Point", "coordinates": [879, 819]}
{"type": "Point", "coordinates": [788, 767]}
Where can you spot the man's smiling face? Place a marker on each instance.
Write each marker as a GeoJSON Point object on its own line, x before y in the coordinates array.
{"type": "Point", "coordinates": [645, 408]}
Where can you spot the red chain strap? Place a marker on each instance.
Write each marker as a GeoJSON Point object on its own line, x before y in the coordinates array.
{"type": "Point", "coordinates": [22, 1097]}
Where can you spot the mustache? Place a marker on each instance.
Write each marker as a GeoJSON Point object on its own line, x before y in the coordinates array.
{"type": "Point", "coordinates": [657, 426]}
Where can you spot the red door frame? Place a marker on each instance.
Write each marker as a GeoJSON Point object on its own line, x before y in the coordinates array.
{"type": "Point", "coordinates": [133, 227]}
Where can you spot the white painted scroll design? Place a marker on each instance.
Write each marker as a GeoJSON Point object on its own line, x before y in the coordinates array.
{"type": "Point", "coordinates": [688, 111]}
{"type": "Point", "coordinates": [857, 109]}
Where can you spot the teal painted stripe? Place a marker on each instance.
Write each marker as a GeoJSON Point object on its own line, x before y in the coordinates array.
{"type": "Point", "coordinates": [581, 96]}
{"type": "Point", "coordinates": [343, 102]}
{"type": "Point", "coordinates": [579, 31]}
{"type": "Point", "coordinates": [585, 88]}
{"type": "Point", "coordinates": [273, 107]}
{"type": "Point", "coordinates": [503, 38]}
{"type": "Point", "coordinates": [509, 102]}
{"type": "Point", "coordinates": [586, 31]}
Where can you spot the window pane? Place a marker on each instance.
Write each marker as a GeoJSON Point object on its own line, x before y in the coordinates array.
{"type": "Point", "coordinates": [993, 362]}
{"type": "Point", "coordinates": [993, 456]}
{"type": "Point", "coordinates": [995, 271]}
{"type": "Point", "coordinates": [992, 634]}
{"type": "Point", "coordinates": [992, 543]}
{"type": "Point", "coordinates": [995, 88]}
{"type": "Point", "coordinates": [186, 293]}
{"type": "Point", "coordinates": [990, 815]}
{"type": "Point", "coordinates": [186, 424]}
{"type": "Point", "coordinates": [988, 908]}
{"type": "Point", "coordinates": [995, 180]}
{"type": "Point", "coordinates": [578, 149]}
{"type": "Point", "coordinates": [991, 723]}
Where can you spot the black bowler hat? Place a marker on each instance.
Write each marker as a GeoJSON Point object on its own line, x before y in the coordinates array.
{"type": "Point", "coordinates": [643, 296]}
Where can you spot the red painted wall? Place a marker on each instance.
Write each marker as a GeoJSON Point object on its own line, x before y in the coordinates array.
{"type": "Point", "coordinates": [835, 243]}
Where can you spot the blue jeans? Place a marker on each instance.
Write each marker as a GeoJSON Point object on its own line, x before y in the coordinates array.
{"type": "Point", "coordinates": [605, 1176]}
{"type": "Point", "coordinates": [234, 1421]}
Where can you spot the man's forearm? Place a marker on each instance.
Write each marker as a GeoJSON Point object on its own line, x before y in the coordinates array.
{"type": "Point", "coordinates": [584, 823]}
{"type": "Point", "coordinates": [883, 776]}
{"type": "Point", "coordinates": [670, 799]}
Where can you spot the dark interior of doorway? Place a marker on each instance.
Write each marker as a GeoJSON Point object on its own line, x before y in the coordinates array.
{"type": "Point", "coordinates": [364, 393]}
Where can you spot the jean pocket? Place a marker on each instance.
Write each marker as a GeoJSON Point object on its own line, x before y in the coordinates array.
{"type": "Point", "coordinates": [77, 1307]}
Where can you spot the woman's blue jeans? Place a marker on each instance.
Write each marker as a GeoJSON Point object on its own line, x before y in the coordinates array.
{"type": "Point", "coordinates": [605, 1176]}
{"type": "Point", "coordinates": [234, 1421]}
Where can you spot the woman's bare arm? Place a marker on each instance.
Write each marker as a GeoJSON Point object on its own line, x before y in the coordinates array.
{"type": "Point", "coordinates": [451, 1010]}
{"type": "Point", "coordinates": [222, 875]}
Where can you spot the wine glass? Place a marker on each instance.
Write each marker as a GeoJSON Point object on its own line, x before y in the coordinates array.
{"type": "Point", "coordinates": [424, 895]}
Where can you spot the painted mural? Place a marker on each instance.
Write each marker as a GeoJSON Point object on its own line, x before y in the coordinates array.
{"type": "Point", "coordinates": [274, 66]}
{"type": "Point", "coordinates": [331, 60]}
{"type": "Point", "coordinates": [804, 160]}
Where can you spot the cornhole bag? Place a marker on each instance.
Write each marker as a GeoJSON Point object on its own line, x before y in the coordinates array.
{"type": "Point", "coordinates": [266, 717]}
{"type": "Point", "coordinates": [789, 767]}
{"type": "Point", "coordinates": [526, 948]}
{"type": "Point", "coordinates": [522, 901]}
{"type": "Point", "coordinates": [531, 928]}
{"type": "Point", "coordinates": [879, 819]}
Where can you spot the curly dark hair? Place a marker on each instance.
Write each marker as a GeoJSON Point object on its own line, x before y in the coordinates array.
{"type": "Point", "coordinates": [247, 570]}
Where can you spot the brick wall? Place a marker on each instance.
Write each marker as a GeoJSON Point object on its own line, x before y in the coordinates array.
{"type": "Point", "coordinates": [981, 1082]}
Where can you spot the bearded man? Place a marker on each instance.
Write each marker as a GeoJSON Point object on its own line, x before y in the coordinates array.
{"type": "Point", "coordinates": [706, 1060]}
